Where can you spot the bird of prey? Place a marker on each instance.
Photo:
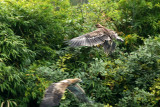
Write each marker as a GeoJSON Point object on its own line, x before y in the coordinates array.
{"type": "Point", "coordinates": [55, 91]}
{"type": "Point", "coordinates": [101, 36]}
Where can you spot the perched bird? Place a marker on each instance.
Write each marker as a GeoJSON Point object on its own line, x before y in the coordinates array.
{"type": "Point", "coordinates": [101, 36]}
{"type": "Point", "coordinates": [55, 91]}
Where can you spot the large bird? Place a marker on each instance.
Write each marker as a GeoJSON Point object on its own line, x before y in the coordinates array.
{"type": "Point", "coordinates": [55, 91]}
{"type": "Point", "coordinates": [101, 36]}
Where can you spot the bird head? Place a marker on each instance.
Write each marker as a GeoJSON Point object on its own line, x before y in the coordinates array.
{"type": "Point", "coordinates": [114, 35]}
{"type": "Point", "coordinates": [98, 25]}
{"type": "Point", "coordinates": [118, 38]}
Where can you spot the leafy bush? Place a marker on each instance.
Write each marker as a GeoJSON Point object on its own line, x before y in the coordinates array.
{"type": "Point", "coordinates": [155, 89]}
{"type": "Point", "coordinates": [136, 71]}
{"type": "Point", "coordinates": [136, 98]}
{"type": "Point", "coordinates": [22, 89]}
{"type": "Point", "coordinates": [33, 53]}
{"type": "Point", "coordinates": [139, 16]}
{"type": "Point", "coordinates": [124, 79]}
{"type": "Point", "coordinates": [13, 48]}
{"type": "Point", "coordinates": [36, 22]}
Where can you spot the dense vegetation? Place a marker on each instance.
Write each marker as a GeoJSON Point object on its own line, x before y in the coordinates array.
{"type": "Point", "coordinates": [33, 51]}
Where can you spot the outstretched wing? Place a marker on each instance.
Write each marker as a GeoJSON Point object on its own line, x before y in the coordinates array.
{"type": "Point", "coordinates": [52, 97]}
{"type": "Point", "coordinates": [79, 93]}
{"type": "Point", "coordinates": [90, 39]}
{"type": "Point", "coordinates": [54, 92]}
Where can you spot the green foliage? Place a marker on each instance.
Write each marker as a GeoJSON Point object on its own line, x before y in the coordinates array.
{"type": "Point", "coordinates": [136, 98]}
{"type": "Point", "coordinates": [13, 48]}
{"type": "Point", "coordinates": [35, 22]}
{"type": "Point", "coordinates": [136, 71]}
{"type": "Point", "coordinates": [61, 61]}
{"type": "Point", "coordinates": [33, 53]}
{"type": "Point", "coordinates": [139, 16]}
{"type": "Point", "coordinates": [19, 88]}
{"type": "Point", "coordinates": [8, 103]}
{"type": "Point", "coordinates": [155, 89]}
{"type": "Point", "coordinates": [125, 81]}
{"type": "Point", "coordinates": [132, 42]}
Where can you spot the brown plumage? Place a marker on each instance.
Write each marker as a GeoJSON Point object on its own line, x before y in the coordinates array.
{"type": "Point", "coordinates": [55, 91]}
{"type": "Point", "coordinates": [101, 36]}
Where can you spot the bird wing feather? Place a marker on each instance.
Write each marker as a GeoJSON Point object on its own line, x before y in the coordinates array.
{"type": "Point", "coordinates": [90, 39]}
{"type": "Point", "coordinates": [78, 92]}
{"type": "Point", "coordinates": [52, 96]}
{"type": "Point", "coordinates": [54, 92]}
